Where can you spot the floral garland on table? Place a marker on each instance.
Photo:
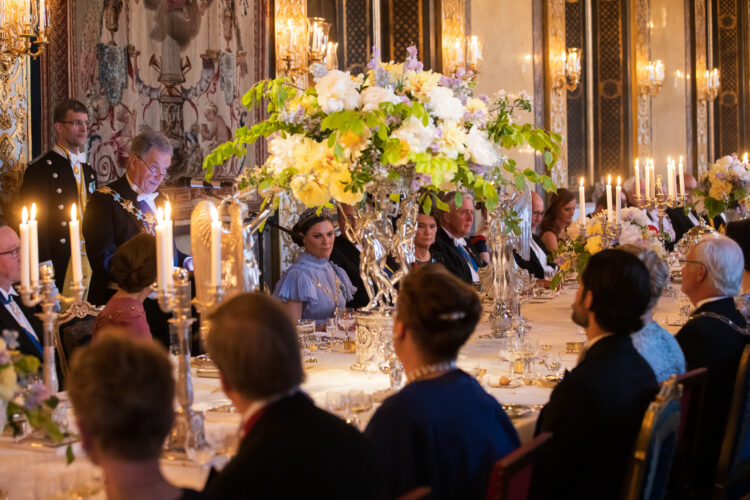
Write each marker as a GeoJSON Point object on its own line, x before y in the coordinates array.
{"type": "Point", "coordinates": [722, 187]}
{"type": "Point", "coordinates": [34, 402]}
{"type": "Point", "coordinates": [573, 253]}
{"type": "Point", "coordinates": [348, 134]}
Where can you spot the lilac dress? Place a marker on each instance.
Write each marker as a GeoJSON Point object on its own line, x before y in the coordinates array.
{"type": "Point", "coordinates": [315, 281]}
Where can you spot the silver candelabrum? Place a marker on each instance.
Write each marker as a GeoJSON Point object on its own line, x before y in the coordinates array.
{"type": "Point", "coordinates": [187, 431]}
{"type": "Point", "coordinates": [43, 294]}
{"type": "Point", "coordinates": [661, 202]}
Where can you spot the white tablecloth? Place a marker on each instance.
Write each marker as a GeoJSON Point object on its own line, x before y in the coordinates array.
{"type": "Point", "coordinates": [550, 323]}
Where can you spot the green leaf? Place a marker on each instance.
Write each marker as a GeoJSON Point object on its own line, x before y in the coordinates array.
{"type": "Point", "coordinates": [427, 205]}
{"type": "Point", "coordinates": [548, 159]}
{"type": "Point", "coordinates": [338, 150]}
{"type": "Point", "coordinates": [459, 199]}
{"type": "Point", "coordinates": [442, 205]}
{"type": "Point", "coordinates": [520, 182]}
{"type": "Point", "coordinates": [548, 184]}
{"type": "Point", "coordinates": [69, 456]}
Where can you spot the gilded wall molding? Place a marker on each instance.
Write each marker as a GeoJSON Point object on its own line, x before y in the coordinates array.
{"type": "Point", "coordinates": [642, 56]}
{"type": "Point", "coordinates": [15, 131]}
{"type": "Point", "coordinates": [557, 119]}
{"type": "Point", "coordinates": [701, 112]}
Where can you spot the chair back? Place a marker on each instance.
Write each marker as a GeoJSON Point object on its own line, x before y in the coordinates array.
{"type": "Point", "coordinates": [511, 475]}
{"type": "Point", "coordinates": [654, 448]}
{"type": "Point", "coordinates": [693, 390]}
{"type": "Point", "coordinates": [419, 493]}
{"type": "Point", "coordinates": [734, 459]}
{"type": "Point", "coordinates": [73, 328]}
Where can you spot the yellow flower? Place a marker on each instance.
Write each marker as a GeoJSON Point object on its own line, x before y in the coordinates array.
{"type": "Point", "coordinates": [8, 381]}
{"type": "Point", "coordinates": [720, 189]}
{"type": "Point", "coordinates": [473, 104]}
{"type": "Point", "coordinates": [594, 244]}
{"type": "Point", "coordinates": [337, 181]}
{"type": "Point", "coordinates": [565, 266]}
{"type": "Point", "coordinates": [453, 141]}
{"type": "Point", "coordinates": [354, 144]}
{"type": "Point", "coordinates": [594, 229]}
{"type": "Point", "coordinates": [420, 84]}
{"type": "Point", "coordinates": [310, 190]}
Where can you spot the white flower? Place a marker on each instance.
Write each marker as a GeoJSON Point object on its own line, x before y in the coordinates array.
{"type": "Point", "coordinates": [631, 234]}
{"type": "Point", "coordinates": [453, 139]}
{"type": "Point", "coordinates": [480, 149]}
{"type": "Point", "coordinates": [444, 105]}
{"type": "Point", "coordinates": [282, 152]}
{"type": "Point", "coordinates": [574, 230]}
{"type": "Point", "coordinates": [373, 96]}
{"type": "Point", "coordinates": [337, 91]}
{"type": "Point", "coordinates": [416, 135]}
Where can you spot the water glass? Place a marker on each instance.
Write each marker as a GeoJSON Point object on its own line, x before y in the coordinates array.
{"type": "Point", "coordinates": [332, 331]}
{"type": "Point", "coordinates": [308, 339]}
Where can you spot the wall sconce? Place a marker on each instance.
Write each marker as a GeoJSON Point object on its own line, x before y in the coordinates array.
{"type": "Point", "coordinates": [708, 87]}
{"type": "Point", "coordinates": [23, 30]}
{"type": "Point", "coordinates": [462, 53]}
{"type": "Point", "coordinates": [332, 57]}
{"type": "Point", "coordinates": [473, 53]}
{"type": "Point", "coordinates": [301, 42]}
{"type": "Point", "coordinates": [651, 78]}
{"type": "Point", "coordinates": [317, 39]}
{"type": "Point", "coordinates": [569, 72]}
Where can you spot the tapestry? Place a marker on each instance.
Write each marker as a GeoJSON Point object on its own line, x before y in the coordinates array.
{"type": "Point", "coordinates": [176, 66]}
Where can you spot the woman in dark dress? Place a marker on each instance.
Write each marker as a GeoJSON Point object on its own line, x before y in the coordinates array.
{"type": "Point", "coordinates": [442, 430]}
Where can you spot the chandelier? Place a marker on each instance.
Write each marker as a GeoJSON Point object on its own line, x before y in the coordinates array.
{"type": "Point", "coordinates": [301, 42]}
{"type": "Point", "coordinates": [709, 85]}
{"type": "Point", "coordinates": [651, 78]}
{"type": "Point", "coordinates": [23, 29]}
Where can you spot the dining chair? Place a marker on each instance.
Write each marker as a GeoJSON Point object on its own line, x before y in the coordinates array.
{"type": "Point", "coordinates": [510, 478]}
{"type": "Point", "coordinates": [648, 470]}
{"type": "Point", "coordinates": [733, 472]}
{"type": "Point", "coordinates": [72, 329]}
{"type": "Point", "coordinates": [418, 493]}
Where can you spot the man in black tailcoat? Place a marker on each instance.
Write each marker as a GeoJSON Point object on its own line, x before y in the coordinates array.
{"type": "Point", "coordinates": [682, 222]}
{"type": "Point", "coordinates": [595, 413]}
{"type": "Point", "coordinates": [55, 181]}
{"type": "Point", "coordinates": [537, 263]}
{"type": "Point", "coordinates": [714, 338]}
{"type": "Point", "coordinates": [120, 210]}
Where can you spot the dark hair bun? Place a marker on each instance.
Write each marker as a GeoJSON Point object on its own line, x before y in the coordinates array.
{"type": "Point", "coordinates": [133, 267]}
{"type": "Point", "coordinates": [306, 220]}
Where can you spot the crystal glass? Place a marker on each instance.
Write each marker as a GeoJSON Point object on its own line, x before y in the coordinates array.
{"type": "Point", "coordinates": [345, 319]}
{"type": "Point", "coordinates": [332, 330]}
{"type": "Point", "coordinates": [308, 339]}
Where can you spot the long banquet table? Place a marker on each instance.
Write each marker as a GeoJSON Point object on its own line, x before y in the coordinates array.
{"type": "Point", "coordinates": [21, 466]}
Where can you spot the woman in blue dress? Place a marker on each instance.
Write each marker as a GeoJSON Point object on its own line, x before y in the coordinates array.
{"type": "Point", "coordinates": [313, 287]}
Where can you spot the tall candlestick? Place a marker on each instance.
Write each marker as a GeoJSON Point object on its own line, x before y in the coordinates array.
{"type": "Point", "coordinates": [24, 229]}
{"type": "Point", "coordinates": [609, 197]}
{"type": "Point", "coordinates": [618, 200]}
{"type": "Point", "coordinates": [161, 270]}
{"type": "Point", "coordinates": [681, 173]}
{"type": "Point", "coordinates": [637, 179]}
{"type": "Point", "coordinates": [75, 246]}
{"type": "Point", "coordinates": [215, 248]}
{"type": "Point", "coordinates": [34, 246]}
{"type": "Point", "coordinates": [582, 204]}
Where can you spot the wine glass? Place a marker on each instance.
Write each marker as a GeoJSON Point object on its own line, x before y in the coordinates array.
{"type": "Point", "coordinates": [308, 340]}
{"type": "Point", "coordinates": [345, 318]}
{"type": "Point", "coordinates": [332, 330]}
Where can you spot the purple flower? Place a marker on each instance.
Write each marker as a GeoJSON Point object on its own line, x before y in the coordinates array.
{"type": "Point", "coordinates": [381, 76]}
{"type": "Point", "coordinates": [484, 98]}
{"type": "Point", "coordinates": [411, 62]}
{"type": "Point", "coordinates": [477, 168]}
{"type": "Point", "coordinates": [318, 71]}
{"type": "Point", "coordinates": [373, 63]}
{"type": "Point", "coordinates": [421, 180]}
{"type": "Point", "coordinates": [435, 148]}
{"type": "Point", "coordinates": [11, 338]}
{"type": "Point", "coordinates": [38, 393]}
{"type": "Point", "coordinates": [4, 358]}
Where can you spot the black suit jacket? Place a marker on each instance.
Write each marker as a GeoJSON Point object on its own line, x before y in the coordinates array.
{"type": "Point", "coordinates": [8, 322]}
{"type": "Point", "coordinates": [446, 252]}
{"type": "Point", "coordinates": [49, 182]}
{"type": "Point", "coordinates": [595, 414]}
{"type": "Point", "coordinates": [533, 265]}
{"type": "Point", "coordinates": [296, 450]}
{"type": "Point", "coordinates": [681, 223]}
{"type": "Point", "coordinates": [709, 342]}
{"type": "Point", "coordinates": [346, 256]}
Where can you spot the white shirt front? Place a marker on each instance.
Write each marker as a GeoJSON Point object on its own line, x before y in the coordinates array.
{"type": "Point", "coordinates": [148, 199]}
{"type": "Point", "coordinates": [541, 256]}
{"type": "Point", "coordinates": [76, 160]}
{"type": "Point", "coordinates": [460, 242]}
{"type": "Point", "coordinates": [16, 311]}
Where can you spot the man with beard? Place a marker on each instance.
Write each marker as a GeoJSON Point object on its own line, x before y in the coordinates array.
{"type": "Point", "coordinates": [595, 413]}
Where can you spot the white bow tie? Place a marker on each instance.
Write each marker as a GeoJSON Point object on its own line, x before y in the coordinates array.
{"type": "Point", "coordinates": [147, 197]}
{"type": "Point", "coordinates": [77, 159]}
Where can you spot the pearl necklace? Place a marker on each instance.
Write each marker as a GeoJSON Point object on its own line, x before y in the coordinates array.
{"type": "Point", "coordinates": [425, 370]}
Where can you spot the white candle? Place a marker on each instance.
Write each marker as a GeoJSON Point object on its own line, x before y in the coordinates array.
{"type": "Point", "coordinates": [648, 181]}
{"type": "Point", "coordinates": [75, 246]}
{"type": "Point", "coordinates": [168, 242]}
{"type": "Point", "coordinates": [637, 179]}
{"type": "Point", "coordinates": [653, 180]}
{"type": "Point", "coordinates": [670, 178]}
{"type": "Point", "coordinates": [582, 204]}
{"type": "Point", "coordinates": [161, 270]}
{"type": "Point", "coordinates": [618, 201]}
{"type": "Point", "coordinates": [215, 248]}
{"type": "Point", "coordinates": [609, 197]}
{"type": "Point", "coordinates": [24, 228]}
{"type": "Point", "coordinates": [682, 179]}
{"type": "Point", "coordinates": [744, 158]}
{"type": "Point", "coordinates": [34, 246]}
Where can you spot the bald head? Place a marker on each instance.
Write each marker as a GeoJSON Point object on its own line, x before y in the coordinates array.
{"type": "Point", "coordinates": [537, 209]}
{"type": "Point", "coordinates": [10, 261]}
{"type": "Point", "coordinates": [690, 184]}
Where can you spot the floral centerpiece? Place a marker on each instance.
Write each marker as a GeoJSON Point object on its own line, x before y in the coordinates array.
{"type": "Point", "coordinates": [724, 186]}
{"type": "Point", "coordinates": [348, 134]}
{"type": "Point", "coordinates": [18, 398]}
{"type": "Point", "coordinates": [574, 252]}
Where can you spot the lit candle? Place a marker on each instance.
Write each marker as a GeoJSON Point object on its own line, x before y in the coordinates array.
{"type": "Point", "coordinates": [648, 181]}
{"type": "Point", "coordinates": [582, 204]}
{"type": "Point", "coordinates": [609, 197]}
{"type": "Point", "coordinates": [42, 14]}
{"type": "Point", "coordinates": [34, 246]}
{"type": "Point", "coordinates": [744, 158]}
{"type": "Point", "coordinates": [161, 270]}
{"type": "Point", "coordinates": [618, 200]}
{"type": "Point", "coordinates": [653, 178]}
{"type": "Point", "coordinates": [681, 173]}
{"type": "Point", "coordinates": [75, 246]}
{"type": "Point", "coordinates": [215, 248]}
{"type": "Point", "coordinates": [168, 242]}
{"type": "Point", "coordinates": [24, 228]}
{"type": "Point", "coordinates": [670, 177]}
{"type": "Point", "coordinates": [637, 179]}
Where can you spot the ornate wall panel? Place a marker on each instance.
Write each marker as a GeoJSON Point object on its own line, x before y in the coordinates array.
{"type": "Point", "coordinates": [355, 23]}
{"type": "Point", "coordinates": [55, 70]}
{"type": "Point", "coordinates": [612, 116]}
{"type": "Point", "coordinates": [575, 36]}
{"type": "Point", "coordinates": [728, 58]}
{"type": "Point", "coordinates": [642, 55]}
{"type": "Point", "coordinates": [557, 118]}
{"type": "Point", "coordinates": [700, 65]}
{"type": "Point", "coordinates": [405, 28]}
{"type": "Point", "coordinates": [15, 144]}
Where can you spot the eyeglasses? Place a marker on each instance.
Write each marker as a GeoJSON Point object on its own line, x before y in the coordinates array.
{"type": "Point", "coordinates": [154, 168]}
{"type": "Point", "coordinates": [14, 252]}
{"type": "Point", "coordinates": [685, 261]}
{"type": "Point", "coordinates": [535, 214]}
{"type": "Point", "coordinates": [78, 123]}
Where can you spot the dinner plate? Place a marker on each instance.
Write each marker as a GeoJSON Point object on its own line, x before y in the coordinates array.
{"type": "Point", "coordinates": [516, 410]}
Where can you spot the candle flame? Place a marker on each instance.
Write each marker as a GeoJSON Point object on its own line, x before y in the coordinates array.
{"type": "Point", "coordinates": [744, 158]}
{"type": "Point", "coordinates": [24, 215]}
{"type": "Point", "coordinates": [32, 216]}
{"type": "Point", "coordinates": [159, 215]}
{"type": "Point", "coordinates": [609, 179]}
{"type": "Point", "coordinates": [73, 212]}
{"type": "Point", "coordinates": [581, 181]}
{"type": "Point", "coordinates": [636, 163]}
{"type": "Point", "coordinates": [618, 181]}
{"type": "Point", "coordinates": [680, 158]}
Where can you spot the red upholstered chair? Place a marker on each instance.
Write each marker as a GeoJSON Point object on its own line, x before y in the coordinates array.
{"type": "Point", "coordinates": [733, 473]}
{"type": "Point", "coordinates": [420, 493]}
{"type": "Point", "coordinates": [511, 475]}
